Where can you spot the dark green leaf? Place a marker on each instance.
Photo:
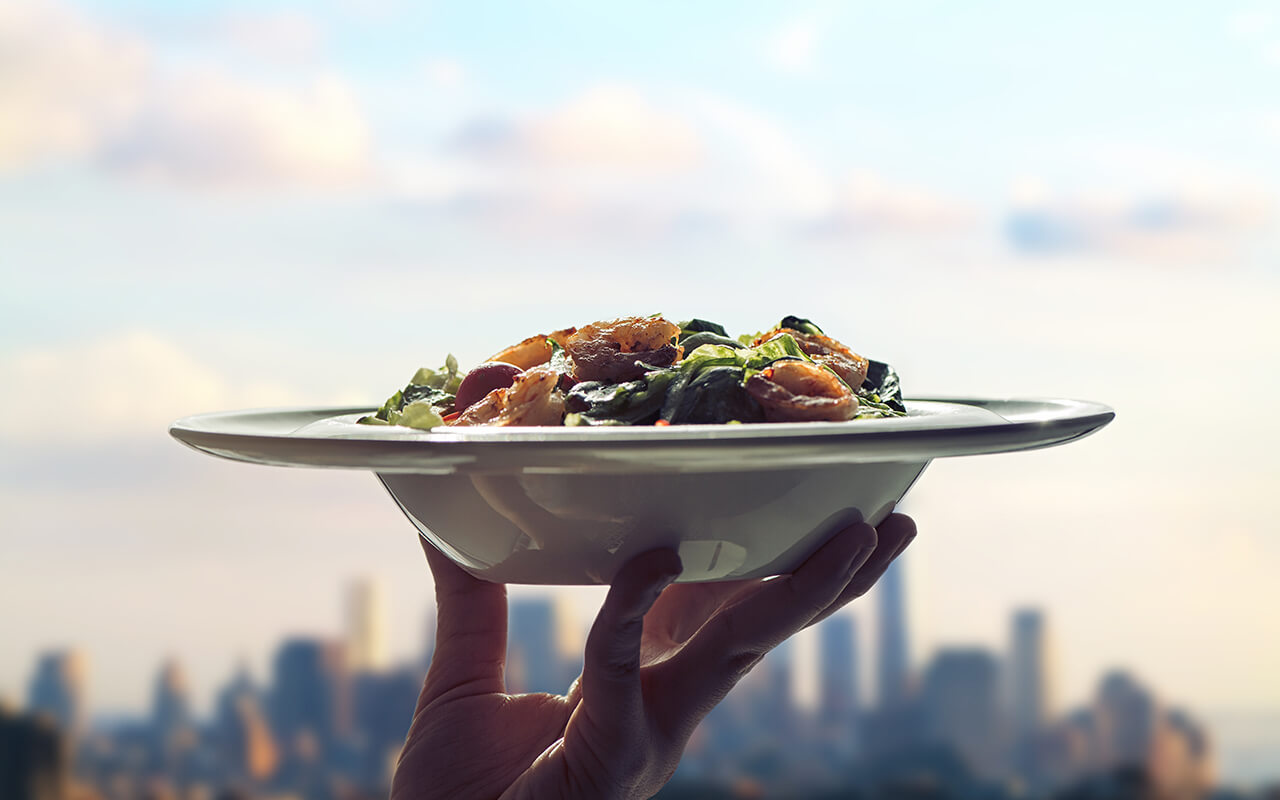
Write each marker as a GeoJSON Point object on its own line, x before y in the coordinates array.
{"type": "Point", "coordinates": [800, 324]}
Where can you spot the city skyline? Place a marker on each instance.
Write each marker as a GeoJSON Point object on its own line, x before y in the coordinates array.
{"type": "Point", "coordinates": [959, 691]}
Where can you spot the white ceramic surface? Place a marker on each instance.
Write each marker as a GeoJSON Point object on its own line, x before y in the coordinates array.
{"type": "Point", "coordinates": [570, 505]}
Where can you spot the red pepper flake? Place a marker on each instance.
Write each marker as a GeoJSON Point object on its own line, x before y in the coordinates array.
{"type": "Point", "coordinates": [662, 423]}
{"type": "Point", "coordinates": [451, 417]}
{"type": "Point", "coordinates": [767, 373]}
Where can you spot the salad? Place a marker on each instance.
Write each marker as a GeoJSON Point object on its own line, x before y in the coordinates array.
{"type": "Point", "coordinates": [650, 371]}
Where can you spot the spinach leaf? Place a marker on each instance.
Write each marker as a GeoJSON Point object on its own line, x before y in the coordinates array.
{"type": "Point", "coordinates": [693, 326]}
{"type": "Point", "coordinates": [715, 395]}
{"type": "Point", "coordinates": [881, 387]}
{"type": "Point", "coordinates": [631, 403]}
{"type": "Point", "coordinates": [696, 340]}
{"type": "Point", "coordinates": [800, 324]}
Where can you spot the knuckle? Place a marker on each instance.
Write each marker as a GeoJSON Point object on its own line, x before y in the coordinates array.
{"type": "Point", "coordinates": [742, 663]}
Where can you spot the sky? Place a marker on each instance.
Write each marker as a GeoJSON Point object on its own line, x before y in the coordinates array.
{"type": "Point", "coordinates": [220, 205]}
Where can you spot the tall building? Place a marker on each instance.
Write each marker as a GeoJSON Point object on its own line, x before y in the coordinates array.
{"type": "Point", "coordinates": [1029, 674]}
{"type": "Point", "coordinates": [245, 743]}
{"type": "Point", "coordinates": [1183, 761]}
{"type": "Point", "coordinates": [1029, 697]}
{"type": "Point", "coordinates": [366, 626]}
{"type": "Point", "coordinates": [310, 695]}
{"type": "Point", "coordinates": [172, 725]}
{"type": "Point", "coordinates": [33, 758]}
{"type": "Point", "coordinates": [533, 658]}
{"type": "Point", "coordinates": [960, 707]}
{"type": "Point", "coordinates": [892, 658]}
{"type": "Point", "coordinates": [838, 670]}
{"type": "Point", "coordinates": [1126, 716]}
{"type": "Point", "coordinates": [384, 704]}
{"type": "Point", "coordinates": [58, 689]}
{"type": "Point", "coordinates": [171, 700]}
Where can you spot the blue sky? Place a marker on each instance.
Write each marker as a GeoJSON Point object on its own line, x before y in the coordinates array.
{"type": "Point", "coordinates": [219, 205]}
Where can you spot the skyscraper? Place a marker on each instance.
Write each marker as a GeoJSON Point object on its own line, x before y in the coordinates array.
{"type": "Point", "coordinates": [310, 692]}
{"type": "Point", "coordinates": [171, 702]}
{"type": "Point", "coordinates": [172, 728]}
{"type": "Point", "coordinates": [366, 627]}
{"type": "Point", "coordinates": [1028, 673]}
{"type": "Point", "coordinates": [58, 689]}
{"type": "Point", "coordinates": [1126, 716]}
{"type": "Point", "coordinates": [533, 660]}
{"type": "Point", "coordinates": [838, 670]}
{"type": "Point", "coordinates": [960, 704]}
{"type": "Point", "coordinates": [33, 758]}
{"type": "Point", "coordinates": [1029, 693]}
{"type": "Point", "coordinates": [245, 743]}
{"type": "Point", "coordinates": [892, 679]}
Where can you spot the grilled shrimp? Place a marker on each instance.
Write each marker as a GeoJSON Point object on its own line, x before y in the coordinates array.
{"type": "Point", "coordinates": [532, 351]}
{"type": "Point", "coordinates": [532, 400]}
{"type": "Point", "coordinates": [609, 350]}
{"type": "Point", "coordinates": [798, 391]}
{"type": "Point", "coordinates": [851, 367]}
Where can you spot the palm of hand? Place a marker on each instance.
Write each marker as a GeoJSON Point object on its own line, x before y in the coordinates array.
{"type": "Point", "coordinates": [658, 659]}
{"type": "Point", "coordinates": [477, 745]}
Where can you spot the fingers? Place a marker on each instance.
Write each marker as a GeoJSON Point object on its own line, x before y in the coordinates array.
{"type": "Point", "coordinates": [471, 631]}
{"type": "Point", "coordinates": [610, 682]}
{"type": "Point", "coordinates": [718, 655]}
{"type": "Point", "coordinates": [895, 534]}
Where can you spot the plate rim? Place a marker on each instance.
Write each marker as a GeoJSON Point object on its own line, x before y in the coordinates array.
{"type": "Point", "coordinates": [426, 452]}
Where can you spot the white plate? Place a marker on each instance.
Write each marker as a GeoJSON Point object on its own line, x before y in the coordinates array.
{"type": "Point", "coordinates": [570, 505]}
{"type": "Point", "coordinates": [329, 437]}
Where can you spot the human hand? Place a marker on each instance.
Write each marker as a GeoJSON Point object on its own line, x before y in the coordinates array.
{"type": "Point", "coordinates": [659, 657]}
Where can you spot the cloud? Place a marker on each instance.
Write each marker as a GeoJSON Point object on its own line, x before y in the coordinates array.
{"type": "Point", "coordinates": [66, 83]}
{"type": "Point", "coordinates": [72, 89]}
{"type": "Point", "coordinates": [604, 126]}
{"type": "Point", "coordinates": [212, 130]}
{"type": "Point", "coordinates": [614, 161]}
{"type": "Point", "coordinates": [867, 203]}
{"type": "Point", "coordinates": [113, 388]}
{"type": "Point", "coordinates": [1185, 222]}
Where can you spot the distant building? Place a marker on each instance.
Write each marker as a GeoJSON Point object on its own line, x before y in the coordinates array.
{"type": "Point", "coordinates": [838, 670]}
{"type": "Point", "coordinates": [172, 726]}
{"type": "Point", "coordinates": [246, 747]}
{"type": "Point", "coordinates": [1182, 764]}
{"type": "Point", "coordinates": [310, 695]}
{"type": "Point", "coordinates": [384, 704]}
{"type": "Point", "coordinates": [892, 658]}
{"type": "Point", "coordinates": [1126, 718]}
{"type": "Point", "coordinates": [1029, 694]}
{"type": "Point", "coordinates": [58, 690]}
{"type": "Point", "coordinates": [960, 708]}
{"type": "Point", "coordinates": [1029, 675]}
{"type": "Point", "coordinates": [366, 627]}
{"type": "Point", "coordinates": [533, 659]}
{"type": "Point", "coordinates": [33, 758]}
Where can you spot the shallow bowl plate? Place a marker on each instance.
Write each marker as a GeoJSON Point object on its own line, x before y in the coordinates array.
{"type": "Point", "coordinates": [570, 505]}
